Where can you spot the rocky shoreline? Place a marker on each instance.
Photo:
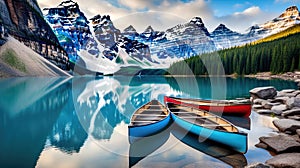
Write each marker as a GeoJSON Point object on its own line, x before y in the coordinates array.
{"type": "Point", "coordinates": [284, 104]}
{"type": "Point", "coordinates": [293, 76]}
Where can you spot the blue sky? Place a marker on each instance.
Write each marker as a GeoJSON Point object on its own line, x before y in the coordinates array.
{"type": "Point", "coordinates": [238, 15]}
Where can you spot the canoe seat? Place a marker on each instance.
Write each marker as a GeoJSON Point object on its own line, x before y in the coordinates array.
{"type": "Point", "coordinates": [207, 117]}
{"type": "Point", "coordinates": [151, 109]}
{"type": "Point", "coordinates": [216, 125]}
{"type": "Point", "coordinates": [183, 112]}
{"type": "Point", "coordinates": [151, 115]}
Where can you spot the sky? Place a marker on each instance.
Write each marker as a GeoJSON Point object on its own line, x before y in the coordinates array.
{"type": "Point", "coordinates": [237, 15]}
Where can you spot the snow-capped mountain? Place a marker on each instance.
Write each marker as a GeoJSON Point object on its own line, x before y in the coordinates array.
{"type": "Point", "coordinates": [152, 36]}
{"type": "Point", "coordinates": [130, 32]}
{"type": "Point", "coordinates": [70, 26]}
{"type": "Point", "coordinates": [114, 41]}
{"type": "Point", "coordinates": [287, 19]}
{"type": "Point", "coordinates": [104, 48]}
{"type": "Point", "coordinates": [186, 40]}
{"type": "Point", "coordinates": [223, 37]}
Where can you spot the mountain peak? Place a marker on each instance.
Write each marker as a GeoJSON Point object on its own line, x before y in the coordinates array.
{"type": "Point", "coordinates": [221, 26]}
{"type": "Point", "coordinates": [223, 30]}
{"type": "Point", "coordinates": [197, 20]}
{"type": "Point", "coordinates": [68, 3]}
{"type": "Point", "coordinates": [130, 29]}
{"type": "Point", "coordinates": [290, 11]}
{"type": "Point", "coordinates": [292, 8]}
{"type": "Point", "coordinates": [149, 29]}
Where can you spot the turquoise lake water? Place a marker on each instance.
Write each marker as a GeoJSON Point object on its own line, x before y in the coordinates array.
{"type": "Point", "coordinates": [82, 122]}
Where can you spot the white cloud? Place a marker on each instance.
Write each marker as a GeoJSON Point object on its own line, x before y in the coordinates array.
{"type": "Point", "coordinates": [252, 11]}
{"type": "Point", "coordinates": [135, 4]}
{"type": "Point", "coordinates": [241, 21]}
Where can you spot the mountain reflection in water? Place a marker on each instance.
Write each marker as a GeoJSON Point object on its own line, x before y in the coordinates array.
{"type": "Point", "coordinates": [79, 121]}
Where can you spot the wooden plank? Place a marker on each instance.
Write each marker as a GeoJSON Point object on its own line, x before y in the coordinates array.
{"type": "Point", "coordinates": [151, 121]}
{"type": "Point", "coordinates": [205, 117]}
{"type": "Point", "coordinates": [154, 115]}
{"type": "Point", "coordinates": [216, 125]}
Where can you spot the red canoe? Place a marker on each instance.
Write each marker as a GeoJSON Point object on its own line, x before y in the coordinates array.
{"type": "Point", "coordinates": [228, 107]}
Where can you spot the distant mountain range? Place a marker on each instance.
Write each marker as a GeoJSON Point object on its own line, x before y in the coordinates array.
{"type": "Point", "coordinates": [108, 49]}
{"type": "Point", "coordinates": [96, 45]}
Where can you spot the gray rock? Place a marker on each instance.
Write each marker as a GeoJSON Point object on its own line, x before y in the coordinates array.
{"type": "Point", "coordinates": [298, 132]}
{"type": "Point", "coordinates": [258, 101]}
{"type": "Point", "coordinates": [257, 106]}
{"type": "Point", "coordinates": [259, 165]}
{"type": "Point", "coordinates": [278, 109]}
{"type": "Point", "coordinates": [261, 145]}
{"type": "Point", "coordinates": [288, 90]}
{"type": "Point", "coordinates": [284, 125]}
{"type": "Point", "coordinates": [293, 102]}
{"type": "Point", "coordinates": [287, 160]}
{"type": "Point", "coordinates": [295, 117]}
{"type": "Point", "coordinates": [295, 111]}
{"type": "Point", "coordinates": [281, 143]}
{"type": "Point", "coordinates": [290, 95]}
{"type": "Point", "coordinates": [270, 105]}
{"type": "Point", "coordinates": [281, 99]}
{"type": "Point", "coordinates": [264, 111]}
{"type": "Point", "coordinates": [264, 92]}
{"type": "Point", "coordinates": [297, 92]}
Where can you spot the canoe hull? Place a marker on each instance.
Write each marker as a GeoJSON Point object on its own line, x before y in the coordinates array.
{"type": "Point", "coordinates": [236, 109]}
{"type": "Point", "coordinates": [137, 132]}
{"type": "Point", "coordinates": [236, 141]}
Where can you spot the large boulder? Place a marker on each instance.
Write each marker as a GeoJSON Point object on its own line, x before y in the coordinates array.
{"type": "Point", "coordinates": [293, 102]}
{"type": "Point", "coordinates": [281, 143]}
{"type": "Point", "coordinates": [285, 160]}
{"type": "Point", "coordinates": [287, 125]}
{"type": "Point", "coordinates": [279, 109]}
{"type": "Point", "coordinates": [264, 92]}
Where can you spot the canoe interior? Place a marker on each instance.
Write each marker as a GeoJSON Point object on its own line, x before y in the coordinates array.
{"type": "Point", "coordinates": [201, 118]}
{"type": "Point", "coordinates": [213, 102]}
{"type": "Point", "coordinates": [151, 112]}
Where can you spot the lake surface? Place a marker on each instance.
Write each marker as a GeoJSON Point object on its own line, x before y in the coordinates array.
{"type": "Point", "coordinates": [82, 122]}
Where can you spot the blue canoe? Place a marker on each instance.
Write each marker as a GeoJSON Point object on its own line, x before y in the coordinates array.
{"type": "Point", "coordinates": [209, 126]}
{"type": "Point", "coordinates": [148, 120]}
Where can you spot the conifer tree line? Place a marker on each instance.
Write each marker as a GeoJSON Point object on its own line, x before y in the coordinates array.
{"type": "Point", "coordinates": [278, 56]}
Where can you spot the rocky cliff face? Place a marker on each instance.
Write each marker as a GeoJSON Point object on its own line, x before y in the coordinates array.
{"type": "Point", "coordinates": [113, 40]}
{"type": "Point", "coordinates": [70, 26]}
{"type": "Point", "coordinates": [23, 20]}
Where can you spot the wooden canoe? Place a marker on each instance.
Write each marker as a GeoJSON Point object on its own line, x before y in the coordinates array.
{"type": "Point", "coordinates": [227, 107]}
{"type": "Point", "coordinates": [208, 126]}
{"type": "Point", "coordinates": [148, 120]}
